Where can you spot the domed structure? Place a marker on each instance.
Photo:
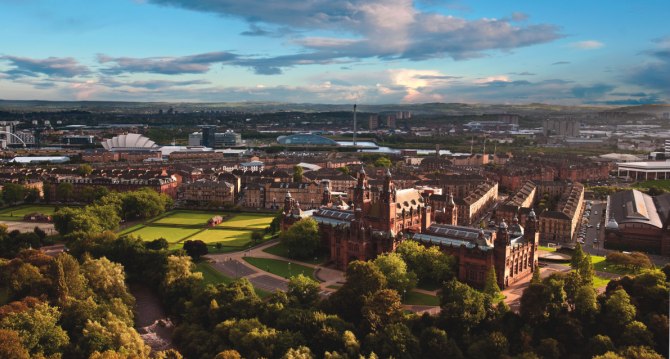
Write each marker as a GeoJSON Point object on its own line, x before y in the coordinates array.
{"type": "Point", "coordinates": [129, 142]}
{"type": "Point", "coordinates": [612, 224]}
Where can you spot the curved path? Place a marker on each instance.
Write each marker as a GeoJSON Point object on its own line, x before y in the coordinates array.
{"type": "Point", "coordinates": [233, 265]}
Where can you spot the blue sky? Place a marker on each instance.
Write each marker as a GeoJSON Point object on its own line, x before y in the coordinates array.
{"type": "Point", "coordinates": [328, 51]}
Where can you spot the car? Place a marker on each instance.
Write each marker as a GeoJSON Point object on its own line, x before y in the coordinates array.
{"type": "Point", "coordinates": [589, 226]}
{"type": "Point", "coordinates": [596, 213]}
{"type": "Point", "coordinates": [595, 240]}
{"type": "Point", "coordinates": [598, 226]}
{"type": "Point", "coordinates": [580, 241]}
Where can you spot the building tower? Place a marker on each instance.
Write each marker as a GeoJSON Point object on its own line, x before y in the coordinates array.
{"type": "Point", "coordinates": [354, 125]}
{"type": "Point", "coordinates": [451, 211]}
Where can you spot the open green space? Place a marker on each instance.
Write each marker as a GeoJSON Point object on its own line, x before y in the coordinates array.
{"type": "Point", "coordinates": [428, 285]}
{"type": "Point", "coordinates": [131, 229]}
{"type": "Point", "coordinates": [227, 237]}
{"type": "Point", "coordinates": [212, 276]}
{"type": "Point", "coordinates": [281, 268]}
{"type": "Point", "coordinates": [599, 282]}
{"type": "Point", "coordinates": [281, 250]}
{"type": "Point", "coordinates": [186, 218]}
{"type": "Point", "coordinates": [246, 220]}
{"type": "Point", "coordinates": [16, 213]}
{"type": "Point", "coordinates": [171, 234]}
{"type": "Point", "coordinates": [547, 249]}
{"type": "Point", "coordinates": [660, 184]}
{"type": "Point", "coordinates": [602, 265]}
{"type": "Point", "coordinates": [416, 298]}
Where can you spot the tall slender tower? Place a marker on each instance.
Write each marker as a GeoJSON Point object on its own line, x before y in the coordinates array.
{"type": "Point", "coordinates": [354, 125]}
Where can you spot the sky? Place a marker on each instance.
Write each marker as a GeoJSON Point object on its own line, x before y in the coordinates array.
{"type": "Point", "coordinates": [614, 52]}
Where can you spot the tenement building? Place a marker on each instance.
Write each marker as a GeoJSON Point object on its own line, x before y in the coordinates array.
{"type": "Point", "coordinates": [377, 224]}
{"type": "Point", "coordinates": [560, 223]}
{"type": "Point", "coordinates": [636, 221]}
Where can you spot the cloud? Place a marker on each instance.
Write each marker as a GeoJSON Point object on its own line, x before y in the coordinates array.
{"type": "Point", "coordinates": [654, 74]}
{"type": "Point", "coordinates": [152, 84]}
{"type": "Point", "coordinates": [525, 73]}
{"type": "Point", "coordinates": [385, 29]}
{"type": "Point", "coordinates": [591, 92]}
{"type": "Point", "coordinates": [561, 63]}
{"type": "Point", "coordinates": [194, 64]}
{"type": "Point", "coordinates": [52, 66]}
{"type": "Point", "coordinates": [587, 45]}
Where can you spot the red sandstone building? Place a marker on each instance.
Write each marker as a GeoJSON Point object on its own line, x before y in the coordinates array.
{"type": "Point", "coordinates": [377, 224]}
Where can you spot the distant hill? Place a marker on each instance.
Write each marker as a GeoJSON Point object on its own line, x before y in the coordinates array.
{"type": "Point", "coordinates": [259, 107]}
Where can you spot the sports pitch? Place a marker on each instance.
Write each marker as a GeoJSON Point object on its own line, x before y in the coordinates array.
{"type": "Point", "coordinates": [251, 221]}
{"type": "Point", "coordinates": [178, 226]}
{"type": "Point", "coordinates": [187, 218]}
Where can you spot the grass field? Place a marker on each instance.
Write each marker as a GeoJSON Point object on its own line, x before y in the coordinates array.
{"type": "Point", "coordinates": [17, 213]}
{"type": "Point", "coordinates": [187, 218]}
{"type": "Point", "coordinates": [416, 298]}
{"type": "Point", "coordinates": [251, 221]}
{"type": "Point", "coordinates": [212, 276]}
{"type": "Point", "coordinates": [547, 249]}
{"type": "Point", "coordinates": [280, 250]}
{"type": "Point", "coordinates": [601, 264]}
{"type": "Point", "coordinates": [227, 237]}
{"type": "Point", "coordinates": [662, 184]}
{"type": "Point", "coordinates": [280, 268]}
{"type": "Point", "coordinates": [599, 282]}
{"type": "Point", "coordinates": [171, 234]}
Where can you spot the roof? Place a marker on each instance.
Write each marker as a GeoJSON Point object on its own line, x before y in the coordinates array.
{"type": "Point", "coordinates": [128, 141]}
{"type": "Point", "coordinates": [633, 206]}
{"type": "Point", "coordinates": [646, 165]}
{"type": "Point", "coordinates": [456, 236]}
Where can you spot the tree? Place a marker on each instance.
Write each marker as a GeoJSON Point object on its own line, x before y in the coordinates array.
{"type": "Point", "coordinates": [394, 269]}
{"type": "Point", "coordinates": [586, 302]}
{"type": "Point", "coordinates": [436, 345]}
{"type": "Point", "coordinates": [303, 291]}
{"type": "Point", "coordinates": [84, 170]}
{"type": "Point", "coordinates": [38, 329]}
{"type": "Point", "coordinates": [228, 354]}
{"type": "Point", "coordinates": [64, 191]}
{"type": "Point", "coordinates": [462, 307]}
{"type": "Point", "coordinates": [395, 340]}
{"type": "Point", "coordinates": [11, 347]}
{"type": "Point", "coordinates": [157, 244]}
{"type": "Point", "coordinates": [113, 334]}
{"type": "Point", "coordinates": [297, 173]}
{"type": "Point", "coordinates": [257, 236]}
{"type": "Point", "coordinates": [577, 256]}
{"type": "Point", "coordinates": [195, 249]}
{"type": "Point", "coordinates": [302, 238]}
{"type": "Point", "coordinates": [383, 162]}
{"type": "Point", "coordinates": [301, 352]}
{"type": "Point", "coordinates": [618, 311]}
{"type": "Point", "coordinates": [32, 195]}
{"type": "Point", "coordinates": [637, 334]}
{"type": "Point", "coordinates": [491, 284]}
{"type": "Point", "coordinates": [429, 264]}
{"type": "Point", "coordinates": [381, 309]}
{"type": "Point", "coordinates": [493, 346]}
{"type": "Point", "coordinates": [12, 193]}
{"type": "Point", "coordinates": [106, 279]}
{"type": "Point", "coordinates": [599, 345]}
{"type": "Point", "coordinates": [345, 170]}
{"type": "Point", "coordinates": [362, 279]}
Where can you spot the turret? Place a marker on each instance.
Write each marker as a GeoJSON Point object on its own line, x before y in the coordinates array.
{"type": "Point", "coordinates": [326, 198]}
{"type": "Point", "coordinates": [288, 203]}
{"type": "Point", "coordinates": [451, 211]}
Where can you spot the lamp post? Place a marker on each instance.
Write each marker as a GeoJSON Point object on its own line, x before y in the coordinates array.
{"type": "Point", "coordinates": [289, 269]}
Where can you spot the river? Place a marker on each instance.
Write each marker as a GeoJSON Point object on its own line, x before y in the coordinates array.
{"type": "Point", "coordinates": [374, 148]}
{"type": "Point", "coordinates": [150, 319]}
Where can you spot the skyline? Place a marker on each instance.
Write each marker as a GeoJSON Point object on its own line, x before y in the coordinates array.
{"type": "Point", "coordinates": [315, 51]}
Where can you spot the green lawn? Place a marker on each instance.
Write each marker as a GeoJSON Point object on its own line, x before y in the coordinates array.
{"type": "Point", "coordinates": [228, 237]}
{"type": "Point", "coordinates": [601, 264]}
{"type": "Point", "coordinates": [211, 275]}
{"type": "Point", "coordinates": [416, 298]}
{"type": "Point", "coordinates": [251, 221]}
{"type": "Point", "coordinates": [599, 282]}
{"type": "Point", "coordinates": [548, 249]}
{"type": "Point", "coordinates": [131, 229]}
{"type": "Point", "coordinates": [171, 234]}
{"type": "Point", "coordinates": [187, 218]}
{"type": "Point", "coordinates": [281, 268]}
{"type": "Point", "coordinates": [662, 184]}
{"type": "Point", "coordinates": [17, 213]}
{"type": "Point", "coordinates": [428, 285]}
{"type": "Point", "coordinates": [281, 250]}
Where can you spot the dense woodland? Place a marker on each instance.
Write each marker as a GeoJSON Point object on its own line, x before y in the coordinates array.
{"type": "Point", "coordinates": [77, 304]}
